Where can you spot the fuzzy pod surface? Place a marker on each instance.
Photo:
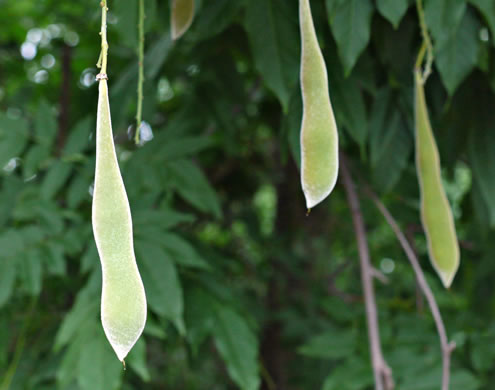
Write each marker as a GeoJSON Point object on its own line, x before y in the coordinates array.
{"type": "Point", "coordinates": [123, 299]}
{"type": "Point", "coordinates": [319, 136]}
{"type": "Point", "coordinates": [436, 214]}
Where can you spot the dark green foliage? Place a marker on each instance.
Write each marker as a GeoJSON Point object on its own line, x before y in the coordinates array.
{"type": "Point", "coordinates": [244, 290]}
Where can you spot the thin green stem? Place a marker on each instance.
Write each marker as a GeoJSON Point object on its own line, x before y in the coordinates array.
{"type": "Point", "coordinates": [139, 112]}
{"type": "Point", "coordinates": [102, 61]}
{"type": "Point", "coordinates": [420, 57]}
{"type": "Point", "coordinates": [426, 47]}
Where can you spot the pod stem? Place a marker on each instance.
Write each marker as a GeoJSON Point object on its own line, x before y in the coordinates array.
{"type": "Point", "coordinates": [426, 47]}
{"type": "Point", "coordinates": [447, 347]}
{"type": "Point", "coordinates": [102, 61]}
{"type": "Point", "coordinates": [139, 111]}
{"type": "Point", "coordinates": [381, 370]}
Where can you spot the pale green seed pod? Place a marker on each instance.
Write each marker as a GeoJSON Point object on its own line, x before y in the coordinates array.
{"type": "Point", "coordinates": [436, 214]}
{"type": "Point", "coordinates": [319, 137]}
{"type": "Point", "coordinates": [123, 300]}
{"type": "Point", "coordinates": [181, 17]}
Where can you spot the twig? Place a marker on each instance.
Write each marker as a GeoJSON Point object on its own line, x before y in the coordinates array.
{"type": "Point", "coordinates": [419, 294]}
{"type": "Point", "coordinates": [102, 61]}
{"type": "Point", "coordinates": [378, 275]}
{"type": "Point", "coordinates": [381, 371]}
{"type": "Point", "coordinates": [447, 347]}
{"type": "Point", "coordinates": [426, 47]}
{"type": "Point", "coordinates": [139, 112]}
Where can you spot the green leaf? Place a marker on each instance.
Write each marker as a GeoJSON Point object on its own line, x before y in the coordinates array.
{"type": "Point", "coordinates": [127, 21]}
{"type": "Point", "coordinates": [349, 106]}
{"type": "Point", "coordinates": [481, 209]}
{"type": "Point", "coordinates": [193, 186]}
{"type": "Point", "coordinates": [12, 186]}
{"type": "Point", "coordinates": [431, 380]}
{"type": "Point", "coordinates": [464, 380]}
{"type": "Point", "coordinates": [50, 216]}
{"type": "Point", "coordinates": [180, 250]}
{"type": "Point", "coordinates": [238, 347]}
{"type": "Point", "coordinates": [78, 138]}
{"type": "Point", "coordinates": [7, 278]}
{"type": "Point", "coordinates": [443, 18]}
{"type": "Point", "coordinates": [353, 375]}
{"type": "Point", "coordinates": [272, 32]}
{"type": "Point", "coordinates": [33, 160]}
{"type": "Point", "coordinates": [161, 282]}
{"type": "Point", "coordinates": [150, 14]}
{"type": "Point", "coordinates": [333, 344]}
{"type": "Point", "coordinates": [55, 179]}
{"type": "Point", "coordinates": [137, 360]}
{"type": "Point", "coordinates": [458, 55]}
{"type": "Point", "coordinates": [90, 259]}
{"type": "Point", "coordinates": [487, 9]}
{"type": "Point", "coordinates": [154, 58]}
{"type": "Point", "coordinates": [45, 125]}
{"type": "Point", "coordinates": [12, 244]}
{"type": "Point", "coordinates": [13, 138]}
{"type": "Point", "coordinates": [350, 21]}
{"type": "Point", "coordinates": [391, 142]}
{"type": "Point", "coordinates": [214, 17]}
{"type": "Point", "coordinates": [54, 259]}
{"type": "Point", "coordinates": [98, 368]}
{"type": "Point", "coordinates": [179, 147]}
{"type": "Point", "coordinates": [82, 314]}
{"type": "Point", "coordinates": [199, 315]}
{"type": "Point", "coordinates": [393, 10]}
{"type": "Point", "coordinates": [292, 126]}
{"type": "Point", "coordinates": [78, 190]}
{"type": "Point", "coordinates": [66, 372]}
{"type": "Point", "coordinates": [32, 271]}
{"type": "Point", "coordinates": [482, 157]}
{"type": "Point", "coordinates": [159, 219]}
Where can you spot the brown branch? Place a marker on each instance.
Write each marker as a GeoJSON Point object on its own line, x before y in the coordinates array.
{"type": "Point", "coordinates": [409, 233]}
{"type": "Point", "coordinates": [447, 347]}
{"type": "Point", "coordinates": [381, 371]}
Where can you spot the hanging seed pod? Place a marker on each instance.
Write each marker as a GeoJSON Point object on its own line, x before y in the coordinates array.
{"type": "Point", "coordinates": [123, 300]}
{"type": "Point", "coordinates": [436, 214]}
{"type": "Point", "coordinates": [319, 137]}
{"type": "Point", "coordinates": [181, 17]}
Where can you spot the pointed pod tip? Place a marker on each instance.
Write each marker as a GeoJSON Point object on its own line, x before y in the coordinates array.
{"type": "Point", "coordinates": [121, 356]}
{"type": "Point", "coordinates": [311, 202]}
{"type": "Point", "coordinates": [447, 278]}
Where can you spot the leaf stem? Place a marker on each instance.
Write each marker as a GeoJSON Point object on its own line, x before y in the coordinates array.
{"type": "Point", "coordinates": [139, 112]}
{"type": "Point", "coordinates": [102, 61]}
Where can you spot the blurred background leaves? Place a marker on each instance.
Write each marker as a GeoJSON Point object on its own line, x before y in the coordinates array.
{"type": "Point", "coordinates": [244, 290]}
